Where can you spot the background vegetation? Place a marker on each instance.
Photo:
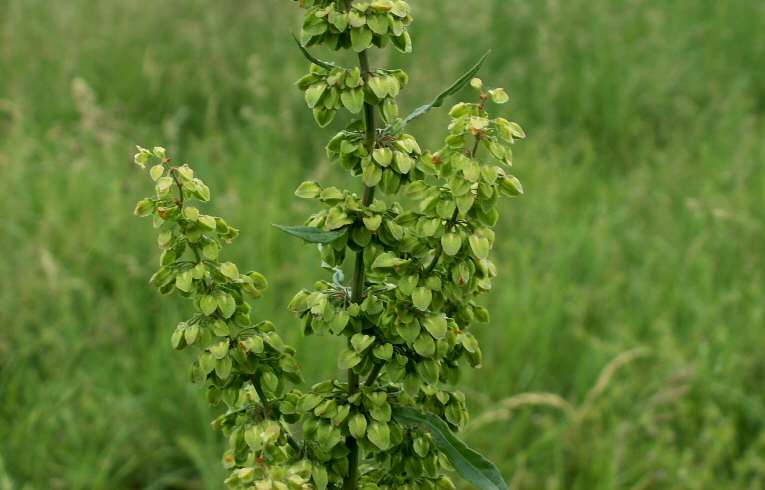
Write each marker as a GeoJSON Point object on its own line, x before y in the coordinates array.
{"type": "Point", "coordinates": [632, 277]}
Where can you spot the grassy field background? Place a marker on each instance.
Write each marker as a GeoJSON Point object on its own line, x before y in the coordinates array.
{"type": "Point", "coordinates": [628, 324]}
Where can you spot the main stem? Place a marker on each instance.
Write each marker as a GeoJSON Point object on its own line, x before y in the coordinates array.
{"type": "Point", "coordinates": [352, 481]}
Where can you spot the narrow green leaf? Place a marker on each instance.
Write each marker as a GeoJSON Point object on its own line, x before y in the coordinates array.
{"type": "Point", "coordinates": [453, 89]}
{"type": "Point", "coordinates": [468, 463]}
{"type": "Point", "coordinates": [316, 61]}
{"type": "Point", "coordinates": [310, 234]}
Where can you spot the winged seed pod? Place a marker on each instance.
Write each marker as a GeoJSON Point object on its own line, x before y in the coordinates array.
{"type": "Point", "coordinates": [406, 307]}
{"type": "Point", "coordinates": [244, 365]}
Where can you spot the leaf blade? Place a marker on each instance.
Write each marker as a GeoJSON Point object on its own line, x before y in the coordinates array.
{"type": "Point", "coordinates": [310, 234]}
{"type": "Point", "coordinates": [313, 59]}
{"type": "Point", "coordinates": [467, 462]}
{"type": "Point", "coordinates": [453, 89]}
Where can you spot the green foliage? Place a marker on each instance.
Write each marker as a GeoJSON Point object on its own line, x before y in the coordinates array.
{"type": "Point", "coordinates": [451, 90]}
{"type": "Point", "coordinates": [312, 235]}
{"type": "Point", "coordinates": [341, 24]}
{"type": "Point", "coordinates": [244, 365]}
{"type": "Point", "coordinates": [623, 239]}
{"type": "Point", "coordinates": [407, 326]}
{"type": "Point", "coordinates": [468, 463]}
{"type": "Point", "coordinates": [406, 316]}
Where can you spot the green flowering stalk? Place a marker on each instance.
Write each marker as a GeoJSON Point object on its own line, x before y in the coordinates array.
{"type": "Point", "coordinates": [417, 270]}
{"type": "Point", "coordinates": [407, 306]}
{"type": "Point", "coordinates": [242, 364]}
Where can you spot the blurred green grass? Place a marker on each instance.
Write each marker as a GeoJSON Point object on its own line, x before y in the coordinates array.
{"type": "Point", "coordinates": [631, 273]}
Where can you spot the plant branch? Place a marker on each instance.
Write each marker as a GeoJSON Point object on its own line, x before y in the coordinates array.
{"type": "Point", "coordinates": [475, 145]}
{"type": "Point", "coordinates": [262, 396]}
{"type": "Point", "coordinates": [267, 410]}
{"type": "Point", "coordinates": [373, 374]}
{"type": "Point", "coordinates": [455, 215]}
{"type": "Point", "coordinates": [174, 175]}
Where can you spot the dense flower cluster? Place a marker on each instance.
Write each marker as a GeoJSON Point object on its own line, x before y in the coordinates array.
{"type": "Point", "coordinates": [406, 310]}
{"type": "Point", "coordinates": [421, 266]}
{"type": "Point", "coordinates": [341, 24]}
{"type": "Point", "coordinates": [244, 365]}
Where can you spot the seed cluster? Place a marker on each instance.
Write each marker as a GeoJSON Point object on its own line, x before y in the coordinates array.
{"type": "Point", "coordinates": [242, 363]}
{"type": "Point", "coordinates": [358, 26]}
{"type": "Point", "coordinates": [408, 311]}
{"type": "Point", "coordinates": [329, 88]}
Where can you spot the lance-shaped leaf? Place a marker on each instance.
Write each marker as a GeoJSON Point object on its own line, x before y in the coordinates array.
{"type": "Point", "coordinates": [312, 58]}
{"type": "Point", "coordinates": [310, 234]}
{"type": "Point", "coordinates": [468, 463]}
{"type": "Point", "coordinates": [453, 89]}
